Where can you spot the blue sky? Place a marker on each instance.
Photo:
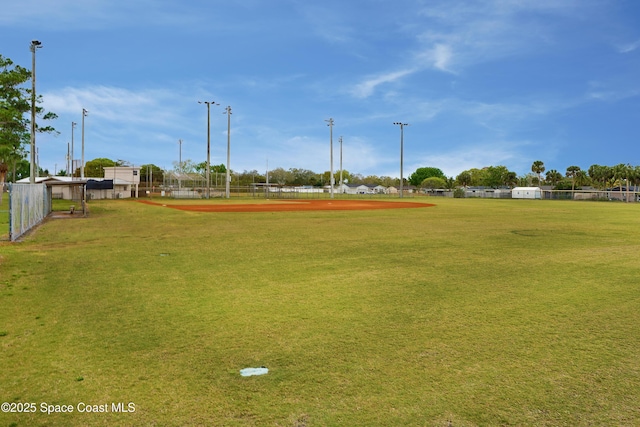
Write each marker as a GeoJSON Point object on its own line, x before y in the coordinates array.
{"type": "Point", "coordinates": [486, 82]}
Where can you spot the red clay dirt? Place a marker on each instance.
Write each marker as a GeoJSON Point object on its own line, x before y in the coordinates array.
{"type": "Point", "coordinates": [296, 205]}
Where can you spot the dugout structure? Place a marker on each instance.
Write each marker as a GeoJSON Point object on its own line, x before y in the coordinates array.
{"type": "Point", "coordinates": [278, 191]}
{"type": "Point", "coordinates": [181, 185]}
{"type": "Point", "coordinates": [29, 205]}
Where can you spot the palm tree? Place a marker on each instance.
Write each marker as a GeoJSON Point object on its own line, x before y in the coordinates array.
{"type": "Point", "coordinates": [553, 177]}
{"type": "Point", "coordinates": [596, 174]}
{"type": "Point", "coordinates": [635, 175]}
{"type": "Point", "coordinates": [510, 179]}
{"type": "Point", "coordinates": [581, 178]}
{"type": "Point", "coordinates": [572, 171]}
{"type": "Point", "coordinates": [635, 179]}
{"type": "Point", "coordinates": [621, 172]}
{"type": "Point", "coordinates": [538, 167]}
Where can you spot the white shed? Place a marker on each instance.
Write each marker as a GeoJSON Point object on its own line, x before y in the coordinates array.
{"type": "Point", "coordinates": [526, 193]}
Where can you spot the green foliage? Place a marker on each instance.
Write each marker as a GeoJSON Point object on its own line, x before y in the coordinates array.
{"type": "Point", "coordinates": [201, 167]}
{"type": "Point", "coordinates": [565, 184]}
{"type": "Point", "coordinates": [15, 120]}
{"type": "Point", "coordinates": [497, 176]}
{"type": "Point", "coordinates": [307, 177]}
{"type": "Point", "coordinates": [572, 172]}
{"type": "Point", "coordinates": [186, 166]}
{"type": "Point", "coordinates": [95, 168]}
{"type": "Point", "coordinates": [279, 176]}
{"type": "Point", "coordinates": [538, 167]}
{"type": "Point", "coordinates": [151, 171]}
{"type": "Point", "coordinates": [14, 105]}
{"type": "Point", "coordinates": [247, 178]}
{"type": "Point", "coordinates": [621, 174]}
{"type": "Point", "coordinates": [553, 177]}
{"type": "Point", "coordinates": [464, 179]}
{"type": "Point", "coordinates": [433, 183]}
{"type": "Point", "coordinates": [423, 173]}
{"type": "Point", "coordinates": [458, 193]}
{"type": "Point", "coordinates": [491, 176]}
{"type": "Point", "coordinates": [601, 176]}
{"type": "Point", "coordinates": [221, 168]}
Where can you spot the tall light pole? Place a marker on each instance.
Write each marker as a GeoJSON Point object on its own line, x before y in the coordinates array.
{"type": "Point", "coordinates": [180, 166]}
{"type": "Point", "coordinates": [68, 158]}
{"type": "Point", "coordinates": [208, 171]}
{"type": "Point", "coordinates": [228, 113]}
{"type": "Point", "coordinates": [73, 126]}
{"type": "Point", "coordinates": [35, 44]}
{"type": "Point", "coordinates": [402, 125]}
{"type": "Point", "coordinates": [84, 114]}
{"type": "Point", "coordinates": [330, 124]}
{"type": "Point", "coordinates": [341, 183]}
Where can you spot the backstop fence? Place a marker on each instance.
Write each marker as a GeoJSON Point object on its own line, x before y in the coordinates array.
{"type": "Point", "coordinates": [29, 204]}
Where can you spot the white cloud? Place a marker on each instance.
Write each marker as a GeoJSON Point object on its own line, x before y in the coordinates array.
{"type": "Point", "coordinates": [470, 32]}
{"type": "Point", "coordinates": [368, 86]}
{"type": "Point", "coordinates": [628, 47]}
{"type": "Point", "coordinates": [481, 31]}
{"type": "Point", "coordinates": [442, 57]}
{"type": "Point", "coordinates": [438, 56]}
{"type": "Point", "coordinates": [116, 105]}
{"type": "Point", "coordinates": [325, 22]}
{"type": "Point", "coordinates": [610, 92]}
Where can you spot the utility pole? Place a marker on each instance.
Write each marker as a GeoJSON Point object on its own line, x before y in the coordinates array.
{"type": "Point", "coordinates": [402, 125]}
{"type": "Point", "coordinates": [35, 44]}
{"type": "Point", "coordinates": [84, 114]}
{"type": "Point", "coordinates": [267, 188]}
{"type": "Point", "coordinates": [73, 126]}
{"type": "Point", "coordinates": [208, 171]}
{"type": "Point", "coordinates": [341, 183]}
{"type": "Point", "coordinates": [330, 121]}
{"type": "Point", "coordinates": [228, 113]}
{"type": "Point", "coordinates": [180, 165]}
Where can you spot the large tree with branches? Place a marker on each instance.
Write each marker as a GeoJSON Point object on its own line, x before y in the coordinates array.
{"type": "Point", "coordinates": [14, 121]}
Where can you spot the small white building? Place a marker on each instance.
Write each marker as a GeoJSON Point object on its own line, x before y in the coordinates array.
{"type": "Point", "coordinates": [526, 193]}
{"type": "Point", "coordinates": [125, 174]}
{"type": "Point", "coordinates": [68, 188]}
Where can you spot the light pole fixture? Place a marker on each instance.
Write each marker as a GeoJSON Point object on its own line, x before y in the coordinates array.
{"type": "Point", "coordinates": [228, 113]}
{"type": "Point", "coordinates": [402, 125]}
{"type": "Point", "coordinates": [208, 171]}
{"type": "Point", "coordinates": [35, 44]}
{"type": "Point", "coordinates": [330, 124]}
{"type": "Point", "coordinates": [84, 114]}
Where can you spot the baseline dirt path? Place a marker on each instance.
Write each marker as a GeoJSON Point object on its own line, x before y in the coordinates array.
{"type": "Point", "coordinates": [296, 205]}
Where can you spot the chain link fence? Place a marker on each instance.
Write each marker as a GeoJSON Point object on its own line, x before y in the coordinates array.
{"type": "Point", "coordinates": [29, 204]}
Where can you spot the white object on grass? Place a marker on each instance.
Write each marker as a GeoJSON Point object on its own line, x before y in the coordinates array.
{"type": "Point", "coordinates": [247, 372]}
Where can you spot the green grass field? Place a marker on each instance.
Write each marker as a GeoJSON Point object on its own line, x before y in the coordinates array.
{"type": "Point", "coordinates": [470, 313]}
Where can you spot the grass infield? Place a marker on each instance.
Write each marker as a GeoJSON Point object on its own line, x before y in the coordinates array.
{"type": "Point", "coordinates": [469, 313]}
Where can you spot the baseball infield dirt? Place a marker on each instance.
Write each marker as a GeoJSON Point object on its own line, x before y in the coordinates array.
{"type": "Point", "coordinates": [295, 205]}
